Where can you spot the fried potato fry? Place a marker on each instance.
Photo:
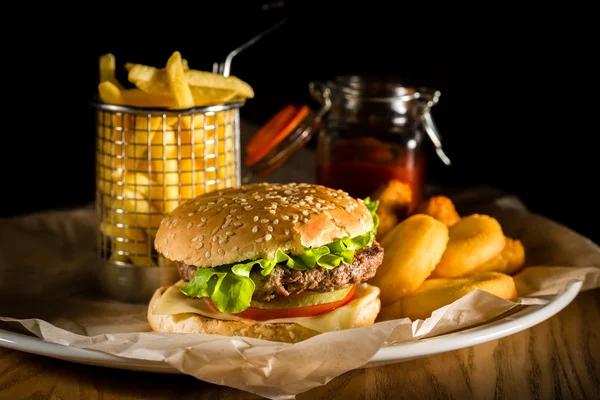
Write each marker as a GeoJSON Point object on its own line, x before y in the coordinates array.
{"type": "Point", "coordinates": [139, 98]}
{"type": "Point", "coordinates": [177, 83]}
{"type": "Point", "coordinates": [218, 81]}
{"type": "Point", "coordinates": [108, 69]}
{"type": "Point", "coordinates": [510, 260]}
{"type": "Point", "coordinates": [204, 96]}
{"type": "Point", "coordinates": [141, 72]}
{"type": "Point", "coordinates": [434, 294]}
{"type": "Point", "coordinates": [156, 87]}
{"type": "Point", "coordinates": [474, 240]}
{"type": "Point", "coordinates": [110, 93]}
{"type": "Point", "coordinates": [441, 208]}
{"type": "Point", "coordinates": [394, 198]}
{"type": "Point", "coordinates": [127, 239]}
{"type": "Point", "coordinates": [412, 250]}
{"type": "Point", "coordinates": [133, 203]}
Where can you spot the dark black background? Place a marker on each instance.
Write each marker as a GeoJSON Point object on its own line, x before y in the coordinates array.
{"type": "Point", "coordinates": [516, 112]}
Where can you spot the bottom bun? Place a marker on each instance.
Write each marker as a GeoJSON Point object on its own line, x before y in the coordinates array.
{"type": "Point", "coordinates": [279, 332]}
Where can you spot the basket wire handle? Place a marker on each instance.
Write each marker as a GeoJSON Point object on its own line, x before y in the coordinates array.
{"type": "Point", "coordinates": [225, 68]}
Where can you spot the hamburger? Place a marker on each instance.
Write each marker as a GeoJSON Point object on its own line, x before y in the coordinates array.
{"type": "Point", "coordinates": [280, 262]}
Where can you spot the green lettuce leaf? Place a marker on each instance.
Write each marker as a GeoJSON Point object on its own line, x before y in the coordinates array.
{"type": "Point", "coordinates": [230, 286]}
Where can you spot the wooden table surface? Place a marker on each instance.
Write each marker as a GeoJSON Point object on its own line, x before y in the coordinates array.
{"type": "Point", "coordinates": [557, 359]}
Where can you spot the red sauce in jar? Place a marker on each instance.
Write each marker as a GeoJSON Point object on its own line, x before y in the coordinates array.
{"type": "Point", "coordinates": [360, 166]}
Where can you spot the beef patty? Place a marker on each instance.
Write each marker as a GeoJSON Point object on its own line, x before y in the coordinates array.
{"type": "Point", "coordinates": [286, 281]}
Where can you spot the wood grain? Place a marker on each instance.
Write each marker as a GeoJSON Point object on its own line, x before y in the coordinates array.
{"type": "Point", "coordinates": [557, 359]}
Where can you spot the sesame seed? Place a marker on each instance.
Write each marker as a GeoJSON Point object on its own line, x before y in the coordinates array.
{"type": "Point", "coordinates": [225, 225]}
{"type": "Point", "coordinates": [199, 245]}
{"type": "Point", "coordinates": [223, 241]}
{"type": "Point", "coordinates": [215, 230]}
{"type": "Point", "coordinates": [275, 222]}
{"type": "Point", "coordinates": [306, 220]}
{"type": "Point", "coordinates": [270, 228]}
{"type": "Point", "coordinates": [305, 212]}
{"type": "Point", "coordinates": [175, 222]}
{"type": "Point", "coordinates": [165, 240]}
{"type": "Point", "coordinates": [248, 207]}
{"type": "Point", "coordinates": [207, 254]}
{"type": "Point", "coordinates": [191, 214]}
{"type": "Point", "coordinates": [259, 240]}
{"type": "Point", "coordinates": [288, 192]}
{"type": "Point", "coordinates": [201, 224]}
{"type": "Point", "coordinates": [201, 237]}
{"type": "Point", "coordinates": [255, 218]}
{"type": "Point", "coordinates": [237, 223]}
{"type": "Point", "coordinates": [285, 217]}
{"type": "Point", "coordinates": [255, 229]}
{"type": "Point", "coordinates": [194, 239]}
{"type": "Point", "coordinates": [268, 237]}
{"type": "Point", "coordinates": [221, 251]}
{"type": "Point", "coordinates": [272, 211]}
{"type": "Point", "coordinates": [235, 248]}
{"type": "Point", "coordinates": [215, 238]}
{"type": "Point", "coordinates": [239, 217]}
{"type": "Point", "coordinates": [189, 225]}
{"type": "Point", "coordinates": [274, 205]}
{"type": "Point", "coordinates": [224, 205]}
{"type": "Point", "coordinates": [167, 253]}
{"type": "Point", "coordinates": [264, 221]}
{"type": "Point", "coordinates": [337, 220]}
{"type": "Point", "coordinates": [203, 219]}
{"type": "Point", "coordinates": [211, 203]}
{"type": "Point", "coordinates": [233, 210]}
{"type": "Point", "coordinates": [287, 231]}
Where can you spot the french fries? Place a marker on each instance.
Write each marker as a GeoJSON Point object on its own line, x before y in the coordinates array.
{"type": "Point", "coordinates": [177, 84]}
{"type": "Point", "coordinates": [148, 163]}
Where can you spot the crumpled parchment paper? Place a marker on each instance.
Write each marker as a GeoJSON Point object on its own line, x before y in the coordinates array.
{"type": "Point", "coordinates": [46, 287]}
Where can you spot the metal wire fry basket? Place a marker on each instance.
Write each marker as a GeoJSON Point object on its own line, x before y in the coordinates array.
{"type": "Point", "coordinates": [148, 161]}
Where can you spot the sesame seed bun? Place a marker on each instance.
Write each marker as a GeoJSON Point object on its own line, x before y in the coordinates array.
{"type": "Point", "coordinates": [253, 221]}
{"type": "Point", "coordinates": [280, 332]}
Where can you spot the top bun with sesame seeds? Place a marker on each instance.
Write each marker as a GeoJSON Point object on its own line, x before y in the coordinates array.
{"type": "Point", "coordinates": [254, 221]}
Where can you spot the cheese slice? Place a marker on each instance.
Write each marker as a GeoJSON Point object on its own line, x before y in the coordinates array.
{"type": "Point", "coordinates": [173, 301]}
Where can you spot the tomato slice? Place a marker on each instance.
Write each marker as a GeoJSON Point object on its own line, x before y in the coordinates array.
{"type": "Point", "coordinates": [263, 314]}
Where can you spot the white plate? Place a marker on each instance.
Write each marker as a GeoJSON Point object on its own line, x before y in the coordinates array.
{"type": "Point", "coordinates": [524, 319]}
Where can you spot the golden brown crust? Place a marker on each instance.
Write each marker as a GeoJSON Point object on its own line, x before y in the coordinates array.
{"type": "Point", "coordinates": [284, 332]}
{"type": "Point", "coordinates": [253, 221]}
{"type": "Point", "coordinates": [441, 208]}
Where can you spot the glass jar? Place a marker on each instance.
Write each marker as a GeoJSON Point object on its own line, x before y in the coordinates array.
{"type": "Point", "coordinates": [374, 132]}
